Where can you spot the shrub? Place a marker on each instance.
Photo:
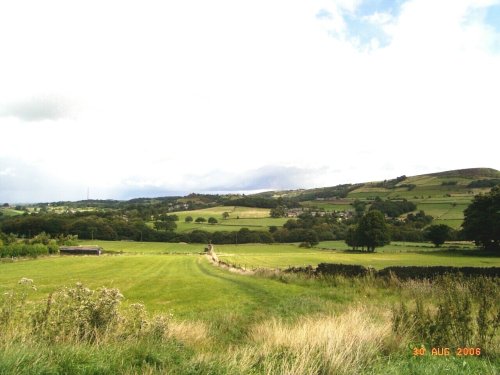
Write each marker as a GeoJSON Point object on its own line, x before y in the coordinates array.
{"type": "Point", "coordinates": [77, 314]}
{"type": "Point", "coordinates": [27, 250]}
{"type": "Point", "coordinates": [466, 315]}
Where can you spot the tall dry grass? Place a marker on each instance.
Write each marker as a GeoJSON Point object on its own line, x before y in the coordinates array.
{"type": "Point", "coordinates": [325, 344]}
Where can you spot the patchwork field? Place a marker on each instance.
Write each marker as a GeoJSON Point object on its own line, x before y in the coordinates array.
{"type": "Point", "coordinates": [239, 217]}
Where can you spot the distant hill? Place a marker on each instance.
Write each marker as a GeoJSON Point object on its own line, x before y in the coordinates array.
{"type": "Point", "coordinates": [442, 195]}
{"type": "Point", "coordinates": [460, 182]}
{"type": "Point", "coordinates": [460, 185]}
{"type": "Point", "coordinates": [474, 173]}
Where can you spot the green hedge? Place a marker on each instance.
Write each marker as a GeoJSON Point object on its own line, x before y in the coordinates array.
{"type": "Point", "coordinates": [27, 250]}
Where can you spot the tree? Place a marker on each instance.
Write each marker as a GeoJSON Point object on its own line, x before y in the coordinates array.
{"type": "Point", "coordinates": [438, 234]}
{"type": "Point", "coordinates": [188, 219]}
{"type": "Point", "coordinates": [200, 220]}
{"type": "Point", "coordinates": [482, 220]}
{"type": "Point", "coordinates": [372, 231]}
{"type": "Point", "coordinates": [165, 225]}
{"type": "Point", "coordinates": [212, 220]}
{"type": "Point", "coordinates": [359, 207]}
{"type": "Point", "coordinates": [278, 211]}
{"type": "Point", "coordinates": [225, 215]}
{"type": "Point", "coordinates": [311, 236]}
{"type": "Point", "coordinates": [165, 217]}
{"type": "Point", "coordinates": [351, 238]}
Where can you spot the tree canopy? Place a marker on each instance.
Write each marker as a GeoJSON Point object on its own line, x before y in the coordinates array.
{"type": "Point", "coordinates": [437, 234]}
{"type": "Point", "coordinates": [482, 220]}
{"type": "Point", "coordinates": [371, 232]}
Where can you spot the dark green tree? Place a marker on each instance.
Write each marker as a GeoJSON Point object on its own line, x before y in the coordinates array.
{"type": "Point", "coordinates": [165, 225]}
{"type": "Point", "coordinates": [225, 215]}
{"type": "Point", "coordinates": [200, 220]}
{"type": "Point", "coordinates": [482, 220]}
{"type": "Point", "coordinates": [437, 234]}
{"type": "Point", "coordinates": [166, 217]}
{"type": "Point", "coordinates": [212, 220]}
{"type": "Point", "coordinates": [351, 238]}
{"type": "Point", "coordinates": [359, 207]}
{"type": "Point", "coordinates": [188, 219]}
{"type": "Point", "coordinates": [279, 211]}
{"type": "Point", "coordinates": [372, 231]}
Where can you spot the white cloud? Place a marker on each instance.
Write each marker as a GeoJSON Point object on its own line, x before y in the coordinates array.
{"type": "Point", "coordinates": [379, 18]}
{"type": "Point", "coordinates": [164, 94]}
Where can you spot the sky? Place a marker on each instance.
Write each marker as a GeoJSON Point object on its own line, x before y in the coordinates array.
{"type": "Point", "coordinates": [119, 99]}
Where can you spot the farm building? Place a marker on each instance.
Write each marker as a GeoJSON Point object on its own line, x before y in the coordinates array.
{"type": "Point", "coordinates": [80, 250]}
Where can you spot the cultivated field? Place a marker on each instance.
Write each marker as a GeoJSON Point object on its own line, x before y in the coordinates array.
{"type": "Point", "coordinates": [239, 217]}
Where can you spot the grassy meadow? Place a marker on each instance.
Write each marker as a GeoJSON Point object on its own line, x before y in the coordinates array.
{"type": "Point", "coordinates": [396, 254]}
{"type": "Point", "coordinates": [202, 319]}
{"type": "Point", "coordinates": [10, 211]}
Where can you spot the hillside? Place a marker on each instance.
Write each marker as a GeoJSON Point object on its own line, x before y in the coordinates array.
{"type": "Point", "coordinates": [444, 195]}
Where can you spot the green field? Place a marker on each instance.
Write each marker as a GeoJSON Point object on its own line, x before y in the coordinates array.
{"type": "Point", "coordinates": [151, 271]}
{"type": "Point", "coordinates": [10, 211]}
{"type": "Point", "coordinates": [426, 186]}
{"type": "Point", "coordinates": [239, 217]}
{"type": "Point", "coordinates": [146, 247]}
{"type": "Point", "coordinates": [283, 256]}
{"type": "Point", "coordinates": [228, 323]}
{"type": "Point", "coordinates": [187, 285]}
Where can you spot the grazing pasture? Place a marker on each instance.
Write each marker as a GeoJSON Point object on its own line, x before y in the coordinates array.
{"type": "Point", "coordinates": [283, 256]}
{"type": "Point", "coordinates": [225, 322]}
{"type": "Point", "coordinates": [239, 217]}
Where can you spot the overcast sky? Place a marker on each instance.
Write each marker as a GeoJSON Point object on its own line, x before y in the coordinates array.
{"type": "Point", "coordinates": [151, 98]}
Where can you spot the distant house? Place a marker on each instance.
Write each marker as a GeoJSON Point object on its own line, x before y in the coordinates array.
{"type": "Point", "coordinates": [80, 250]}
{"type": "Point", "coordinates": [293, 212]}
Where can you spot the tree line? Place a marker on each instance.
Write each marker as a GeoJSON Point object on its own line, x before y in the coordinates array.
{"type": "Point", "coordinates": [365, 230]}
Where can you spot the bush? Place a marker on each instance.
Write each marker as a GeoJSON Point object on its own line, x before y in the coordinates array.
{"type": "Point", "coordinates": [26, 250]}
{"type": "Point", "coordinates": [466, 315]}
{"type": "Point", "coordinates": [75, 315]}
{"type": "Point", "coordinates": [438, 234]}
